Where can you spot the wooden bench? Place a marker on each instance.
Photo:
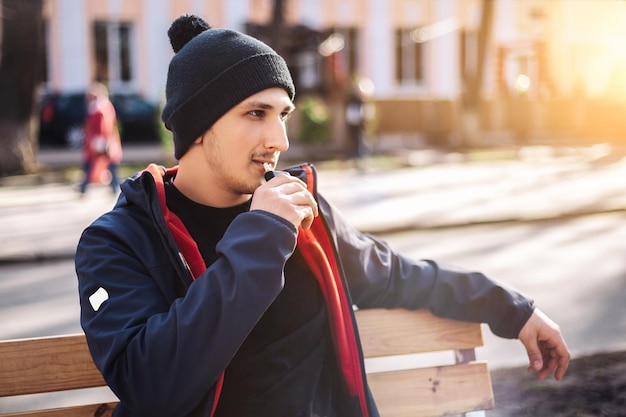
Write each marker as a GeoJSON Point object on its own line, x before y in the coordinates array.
{"type": "Point", "coordinates": [415, 382]}
{"type": "Point", "coordinates": [61, 363]}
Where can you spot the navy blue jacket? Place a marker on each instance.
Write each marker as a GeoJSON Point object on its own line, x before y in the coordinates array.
{"type": "Point", "coordinates": [162, 327]}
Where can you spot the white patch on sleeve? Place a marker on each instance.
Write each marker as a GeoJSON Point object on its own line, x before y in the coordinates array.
{"type": "Point", "coordinates": [97, 298]}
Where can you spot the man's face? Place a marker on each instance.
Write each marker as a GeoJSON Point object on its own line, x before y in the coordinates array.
{"type": "Point", "coordinates": [247, 136]}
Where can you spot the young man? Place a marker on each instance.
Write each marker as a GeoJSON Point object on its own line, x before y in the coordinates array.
{"type": "Point", "coordinates": [211, 291]}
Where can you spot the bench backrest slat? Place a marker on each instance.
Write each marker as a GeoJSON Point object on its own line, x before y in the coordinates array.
{"type": "Point", "coordinates": [398, 332]}
{"type": "Point", "coordinates": [46, 364]}
{"type": "Point", "coordinates": [434, 391]}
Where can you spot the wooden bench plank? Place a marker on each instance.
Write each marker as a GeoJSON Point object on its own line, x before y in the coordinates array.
{"type": "Point", "coordinates": [94, 410]}
{"type": "Point", "coordinates": [435, 391]}
{"type": "Point", "coordinates": [47, 364]}
{"type": "Point", "coordinates": [398, 332]}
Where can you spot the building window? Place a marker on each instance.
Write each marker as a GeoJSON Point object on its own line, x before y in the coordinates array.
{"type": "Point", "coordinates": [349, 51]}
{"type": "Point", "coordinates": [409, 58]}
{"type": "Point", "coordinates": [113, 53]}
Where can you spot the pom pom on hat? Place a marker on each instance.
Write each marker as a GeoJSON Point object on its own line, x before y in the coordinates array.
{"type": "Point", "coordinates": [212, 71]}
{"type": "Point", "coordinates": [185, 28]}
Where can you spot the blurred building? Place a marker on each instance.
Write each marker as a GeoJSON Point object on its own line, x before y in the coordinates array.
{"type": "Point", "coordinates": [545, 68]}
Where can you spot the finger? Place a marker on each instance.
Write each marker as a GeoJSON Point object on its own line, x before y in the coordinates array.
{"type": "Point", "coordinates": [296, 190]}
{"type": "Point", "coordinates": [535, 358]}
{"type": "Point", "coordinates": [550, 363]}
{"type": "Point", "coordinates": [561, 369]}
{"type": "Point", "coordinates": [311, 204]}
{"type": "Point", "coordinates": [305, 198]}
{"type": "Point", "coordinates": [563, 358]}
{"type": "Point", "coordinates": [308, 218]}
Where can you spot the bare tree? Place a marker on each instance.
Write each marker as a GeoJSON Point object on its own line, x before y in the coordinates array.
{"type": "Point", "coordinates": [470, 107]}
{"type": "Point", "coordinates": [277, 27]}
{"type": "Point", "coordinates": [21, 43]}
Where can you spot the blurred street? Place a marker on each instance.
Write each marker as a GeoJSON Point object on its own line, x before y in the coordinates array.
{"type": "Point", "coordinates": [549, 223]}
{"type": "Point", "coordinates": [43, 219]}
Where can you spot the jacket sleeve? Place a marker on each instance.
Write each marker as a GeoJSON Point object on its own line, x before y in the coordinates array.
{"type": "Point", "coordinates": [379, 277]}
{"type": "Point", "coordinates": [139, 338]}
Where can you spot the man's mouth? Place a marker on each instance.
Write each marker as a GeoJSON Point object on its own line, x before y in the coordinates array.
{"type": "Point", "coordinates": [265, 164]}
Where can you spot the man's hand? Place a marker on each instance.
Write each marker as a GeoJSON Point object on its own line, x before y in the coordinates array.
{"type": "Point", "coordinates": [546, 348]}
{"type": "Point", "coordinates": [287, 197]}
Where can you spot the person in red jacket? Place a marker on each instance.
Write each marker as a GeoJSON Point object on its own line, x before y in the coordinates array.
{"type": "Point", "coordinates": [102, 147]}
{"type": "Point", "coordinates": [214, 288]}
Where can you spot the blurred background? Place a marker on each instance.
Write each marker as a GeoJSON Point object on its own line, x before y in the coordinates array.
{"type": "Point", "coordinates": [451, 74]}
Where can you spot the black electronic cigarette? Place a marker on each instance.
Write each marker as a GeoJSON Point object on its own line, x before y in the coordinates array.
{"type": "Point", "coordinates": [269, 172]}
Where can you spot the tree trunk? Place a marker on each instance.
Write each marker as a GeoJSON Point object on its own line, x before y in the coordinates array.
{"type": "Point", "coordinates": [277, 28]}
{"type": "Point", "coordinates": [470, 107]}
{"type": "Point", "coordinates": [21, 45]}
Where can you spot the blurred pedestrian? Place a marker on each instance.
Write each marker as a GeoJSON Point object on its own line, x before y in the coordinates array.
{"type": "Point", "coordinates": [355, 121]}
{"type": "Point", "coordinates": [216, 288]}
{"type": "Point", "coordinates": [102, 147]}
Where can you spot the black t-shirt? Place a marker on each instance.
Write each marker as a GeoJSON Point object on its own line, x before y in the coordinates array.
{"type": "Point", "coordinates": [286, 366]}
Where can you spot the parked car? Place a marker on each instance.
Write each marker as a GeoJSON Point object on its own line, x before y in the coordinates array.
{"type": "Point", "coordinates": [137, 117]}
{"type": "Point", "coordinates": [62, 117]}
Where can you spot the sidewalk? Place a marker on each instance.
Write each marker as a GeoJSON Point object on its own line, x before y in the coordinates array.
{"type": "Point", "coordinates": [45, 221]}
{"type": "Point", "coordinates": [456, 194]}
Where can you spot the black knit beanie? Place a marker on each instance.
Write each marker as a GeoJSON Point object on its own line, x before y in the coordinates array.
{"type": "Point", "coordinates": [214, 70]}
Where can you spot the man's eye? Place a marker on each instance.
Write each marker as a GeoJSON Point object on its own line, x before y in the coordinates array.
{"type": "Point", "coordinates": [257, 113]}
{"type": "Point", "coordinates": [285, 116]}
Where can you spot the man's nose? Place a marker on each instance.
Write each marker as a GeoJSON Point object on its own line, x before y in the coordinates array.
{"type": "Point", "coordinates": [276, 137]}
